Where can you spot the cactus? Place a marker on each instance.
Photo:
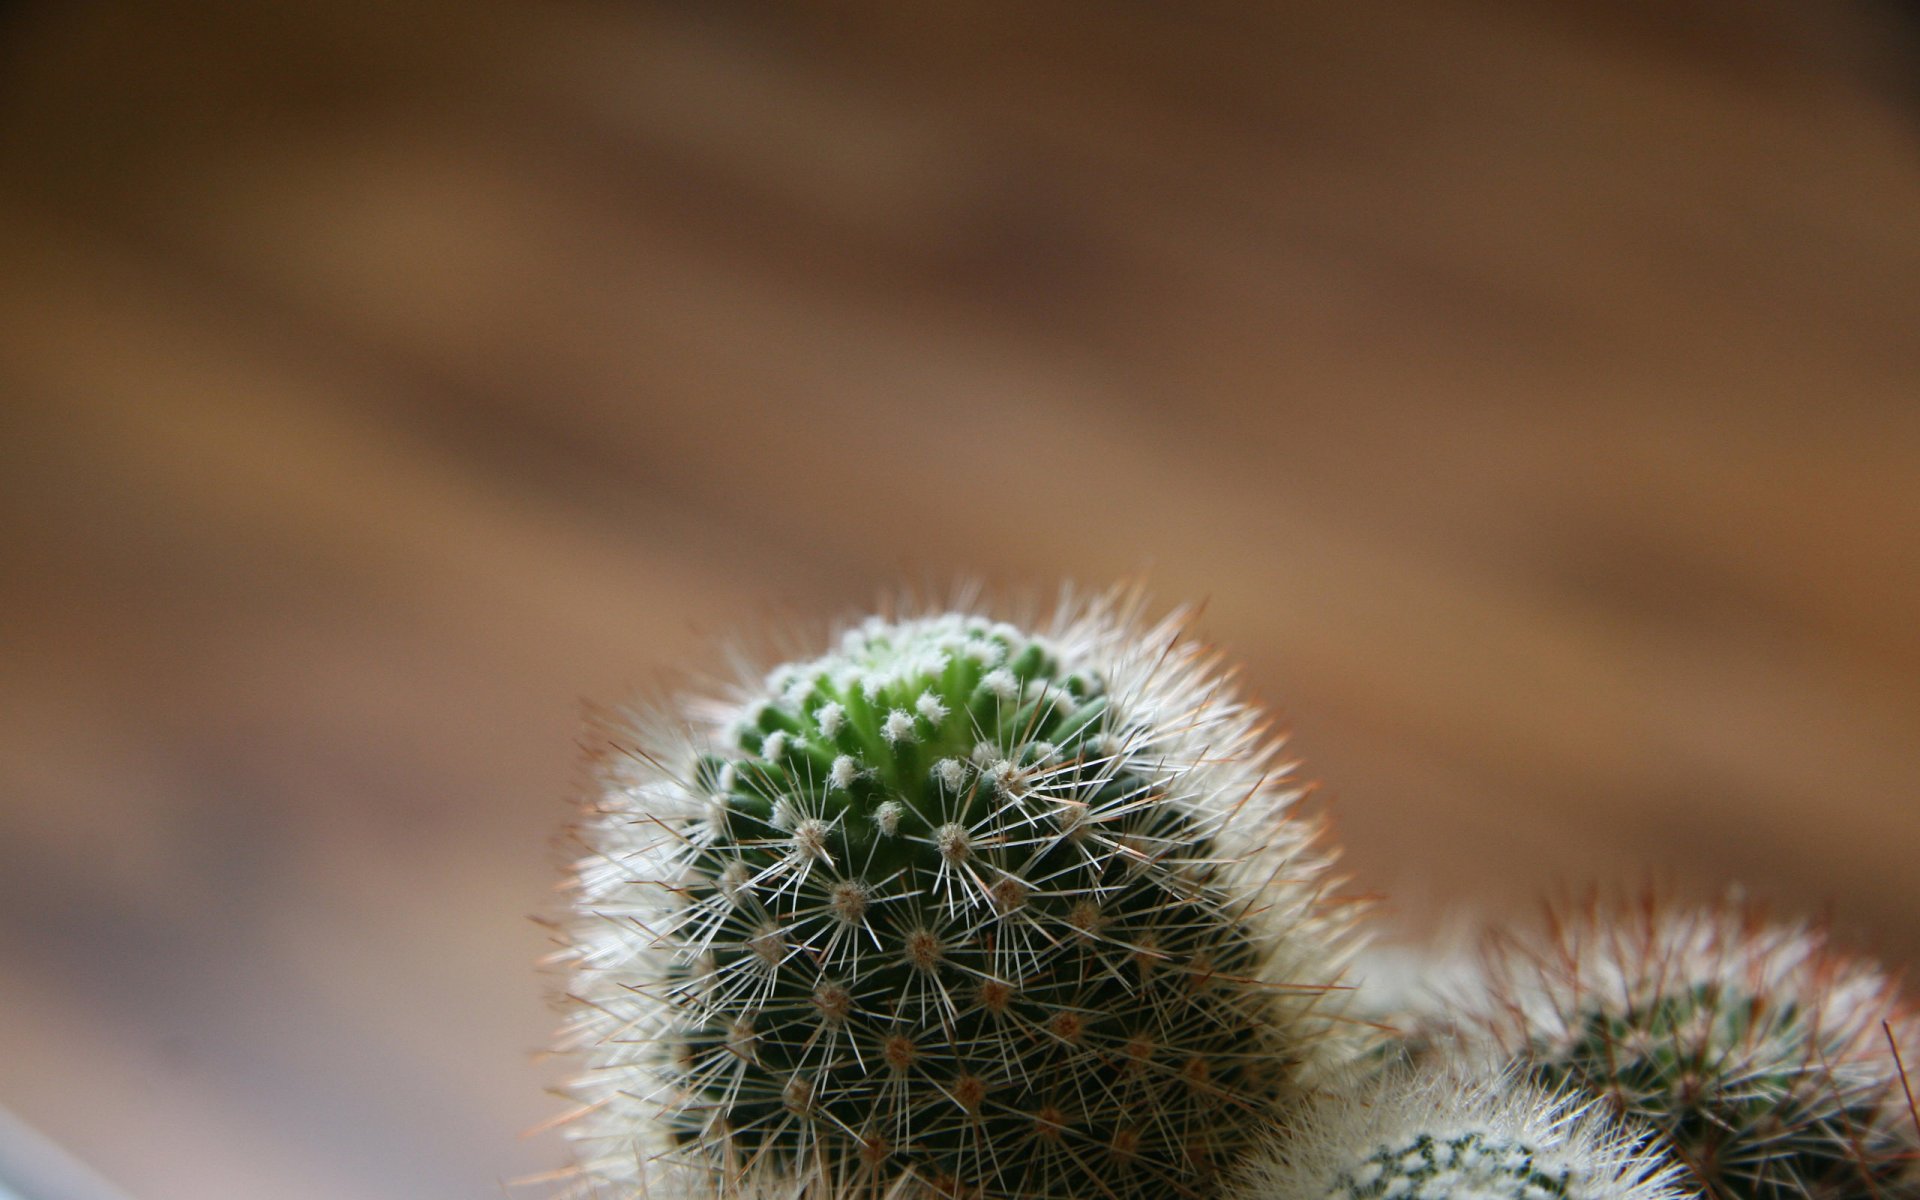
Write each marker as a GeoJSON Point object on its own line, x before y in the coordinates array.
{"type": "Point", "coordinates": [1447, 1134]}
{"type": "Point", "coordinates": [1766, 1057]}
{"type": "Point", "coordinates": [956, 908]}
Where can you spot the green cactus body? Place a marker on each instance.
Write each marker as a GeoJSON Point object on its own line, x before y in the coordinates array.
{"type": "Point", "coordinates": [1449, 1134]}
{"type": "Point", "coordinates": [1470, 1164]}
{"type": "Point", "coordinates": [951, 909]}
{"type": "Point", "coordinates": [1760, 1054]}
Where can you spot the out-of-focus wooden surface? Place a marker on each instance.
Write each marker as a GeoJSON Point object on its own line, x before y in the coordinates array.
{"type": "Point", "coordinates": [1529, 388]}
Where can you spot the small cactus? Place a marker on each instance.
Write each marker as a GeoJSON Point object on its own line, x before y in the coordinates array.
{"type": "Point", "coordinates": [956, 908]}
{"type": "Point", "coordinates": [1447, 1134]}
{"type": "Point", "coordinates": [1763, 1055]}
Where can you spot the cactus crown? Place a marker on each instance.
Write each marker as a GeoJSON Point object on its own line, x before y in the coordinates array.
{"type": "Point", "coordinates": [1470, 1164]}
{"type": "Point", "coordinates": [958, 905]}
{"type": "Point", "coordinates": [1451, 1135]}
{"type": "Point", "coordinates": [1759, 1052]}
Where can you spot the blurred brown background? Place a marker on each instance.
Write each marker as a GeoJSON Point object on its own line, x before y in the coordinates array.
{"type": "Point", "coordinates": [1529, 388]}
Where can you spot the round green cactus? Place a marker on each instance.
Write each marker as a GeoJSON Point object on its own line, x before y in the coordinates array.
{"type": "Point", "coordinates": [957, 906]}
{"type": "Point", "coordinates": [1761, 1054]}
{"type": "Point", "coordinates": [1448, 1134]}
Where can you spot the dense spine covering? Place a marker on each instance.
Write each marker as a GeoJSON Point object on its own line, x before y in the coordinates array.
{"type": "Point", "coordinates": [957, 908]}
{"type": "Point", "coordinates": [1450, 1134]}
{"type": "Point", "coordinates": [1764, 1056]}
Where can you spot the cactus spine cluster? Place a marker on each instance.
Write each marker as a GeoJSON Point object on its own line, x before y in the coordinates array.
{"type": "Point", "coordinates": [1763, 1055]}
{"type": "Point", "coordinates": [958, 908]}
{"type": "Point", "coordinates": [969, 911]}
{"type": "Point", "coordinates": [1451, 1134]}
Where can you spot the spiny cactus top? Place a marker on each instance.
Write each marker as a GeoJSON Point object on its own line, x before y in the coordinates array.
{"type": "Point", "coordinates": [998, 913]}
{"type": "Point", "coordinates": [1761, 1053]}
{"type": "Point", "coordinates": [1447, 1135]}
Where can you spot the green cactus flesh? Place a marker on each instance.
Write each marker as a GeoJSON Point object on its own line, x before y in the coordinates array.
{"type": "Point", "coordinates": [944, 920]}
